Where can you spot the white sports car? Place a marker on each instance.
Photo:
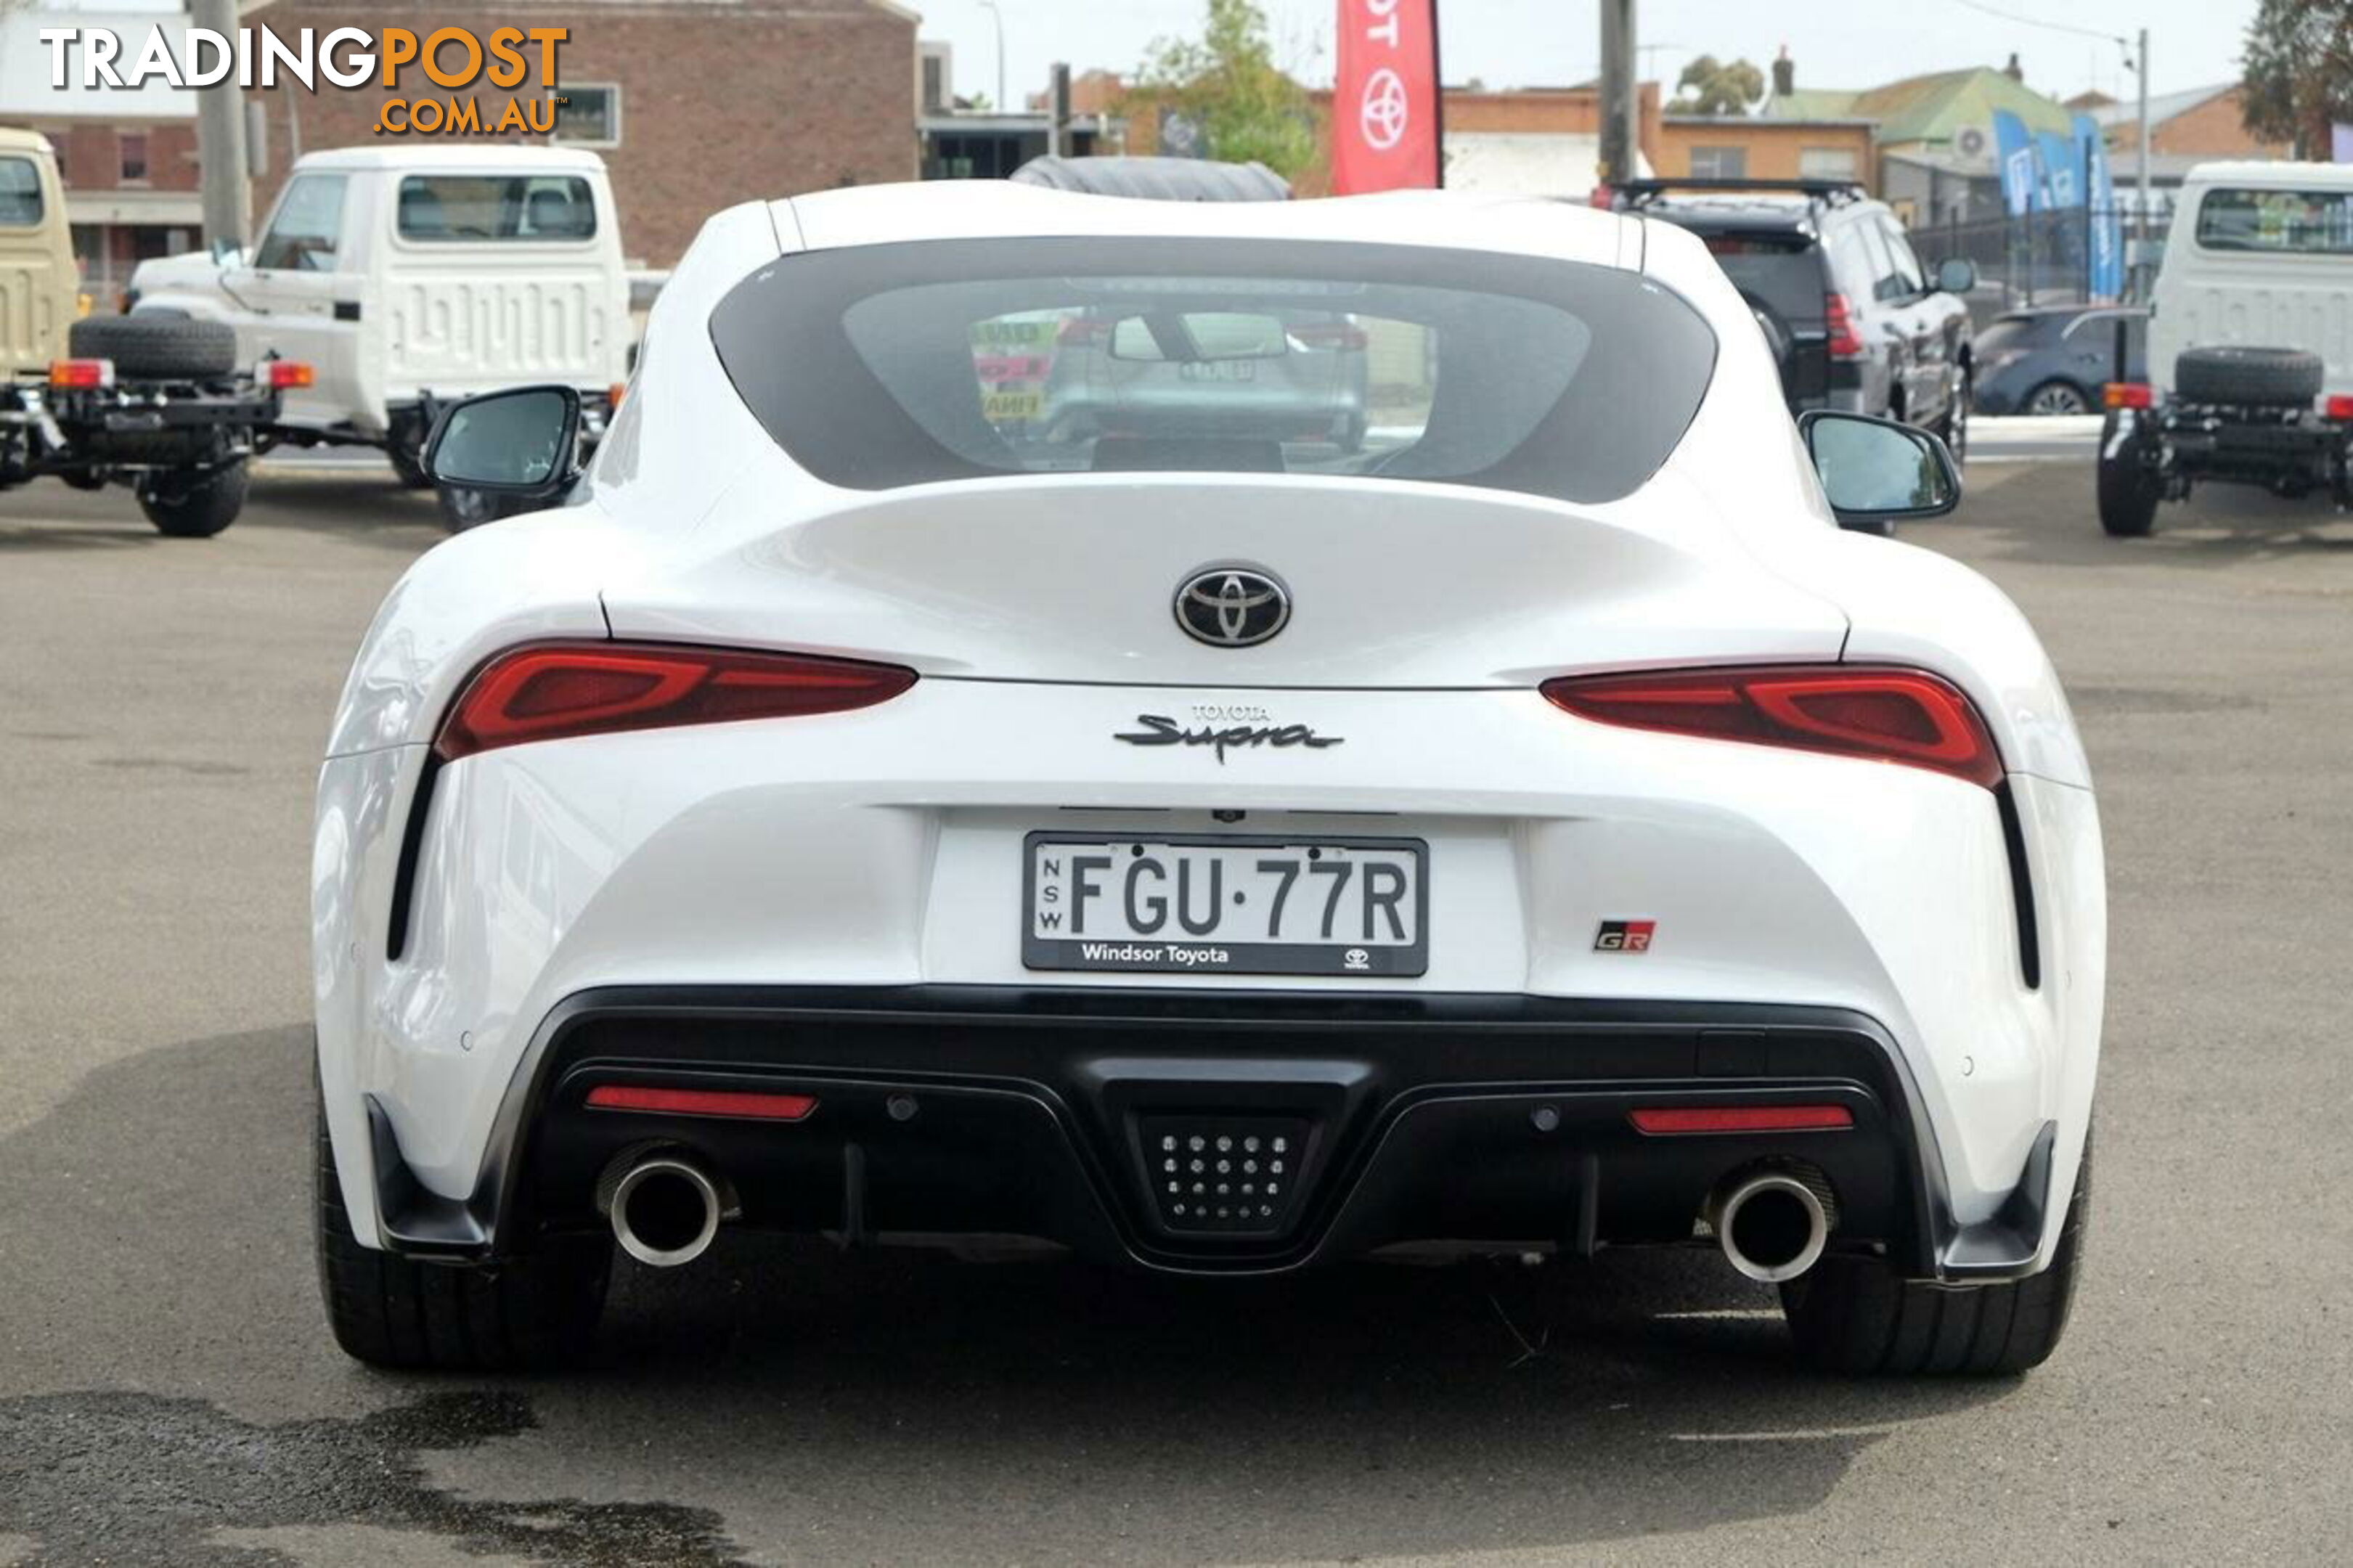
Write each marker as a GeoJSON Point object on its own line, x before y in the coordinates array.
{"type": "Point", "coordinates": [872, 801]}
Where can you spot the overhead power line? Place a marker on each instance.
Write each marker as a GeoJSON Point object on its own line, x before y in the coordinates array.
{"type": "Point", "coordinates": [2038, 21]}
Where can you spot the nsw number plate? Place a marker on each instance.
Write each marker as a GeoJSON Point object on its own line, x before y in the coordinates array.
{"type": "Point", "coordinates": [1226, 904]}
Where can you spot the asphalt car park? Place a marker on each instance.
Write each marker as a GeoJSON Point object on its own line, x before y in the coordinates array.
{"type": "Point", "coordinates": [166, 1393]}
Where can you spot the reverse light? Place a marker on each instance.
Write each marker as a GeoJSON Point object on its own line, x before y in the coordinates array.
{"type": "Point", "coordinates": [1838, 318]}
{"type": "Point", "coordinates": [1656, 1121]}
{"type": "Point", "coordinates": [81, 374]}
{"type": "Point", "coordinates": [1885, 715]}
{"type": "Point", "coordinates": [739, 1104]}
{"type": "Point", "coordinates": [2128, 395]}
{"type": "Point", "coordinates": [551, 691]}
{"type": "Point", "coordinates": [281, 374]}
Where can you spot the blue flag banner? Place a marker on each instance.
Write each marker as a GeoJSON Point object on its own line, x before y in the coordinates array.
{"type": "Point", "coordinates": [2108, 279]}
{"type": "Point", "coordinates": [2016, 150]}
{"type": "Point", "coordinates": [2062, 177]}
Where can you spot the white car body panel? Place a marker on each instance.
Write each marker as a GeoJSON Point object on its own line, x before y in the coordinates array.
{"type": "Point", "coordinates": [2213, 298]}
{"type": "Point", "coordinates": [448, 317]}
{"type": "Point", "coordinates": [676, 857]}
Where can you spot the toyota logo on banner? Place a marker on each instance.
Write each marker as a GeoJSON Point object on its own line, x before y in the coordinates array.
{"type": "Point", "coordinates": [1388, 68]}
{"type": "Point", "coordinates": [1385, 112]}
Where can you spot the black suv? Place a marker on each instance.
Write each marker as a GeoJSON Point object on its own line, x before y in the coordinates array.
{"type": "Point", "coordinates": [1856, 322]}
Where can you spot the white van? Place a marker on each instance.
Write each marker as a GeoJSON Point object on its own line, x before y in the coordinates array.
{"type": "Point", "coordinates": [410, 277]}
{"type": "Point", "coordinates": [2250, 346]}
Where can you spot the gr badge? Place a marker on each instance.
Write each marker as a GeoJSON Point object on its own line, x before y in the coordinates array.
{"type": "Point", "coordinates": [1624, 936]}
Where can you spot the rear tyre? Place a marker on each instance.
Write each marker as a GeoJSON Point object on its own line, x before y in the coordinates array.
{"type": "Point", "coordinates": [2056, 398]}
{"type": "Point", "coordinates": [168, 348]}
{"type": "Point", "coordinates": [2269, 378]}
{"type": "Point", "coordinates": [522, 1312]}
{"type": "Point", "coordinates": [407, 464]}
{"type": "Point", "coordinates": [193, 506]}
{"type": "Point", "coordinates": [2129, 489]}
{"type": "Point", "coordinates": [1856, 1315]}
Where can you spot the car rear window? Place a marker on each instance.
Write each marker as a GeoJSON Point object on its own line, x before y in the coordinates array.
{"type": "Point", "coordinates": [461, 208]}
{"type": "Point", "coordinates": [896, 364]}
{"type": "Point", "coordinates": [20, 194]}
{"type": "Point", "coordinates": [2015, 331]}
{"type": "Point", "coordinates": [1783, 272]}
{"type": "Point", "coordinates": [2310, 223]}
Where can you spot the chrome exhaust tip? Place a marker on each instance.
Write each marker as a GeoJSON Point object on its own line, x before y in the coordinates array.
{"type": "Point", "coordinates": [664, 1208]}
{"type": "Point", "coordinates": [1772, 1225]}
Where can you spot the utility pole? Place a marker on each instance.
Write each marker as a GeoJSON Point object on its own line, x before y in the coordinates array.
{"type": "Point", "coordinates": [2141, 59]}
{"type": "Point", "coordinates": [1618, 90]}
{"type": "Point", "coordinates": [1057, 113]}
{"type": "Point", "coordinates": [220, 140]}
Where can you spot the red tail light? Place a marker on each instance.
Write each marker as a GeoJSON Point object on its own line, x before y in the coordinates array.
{"type": "Point", "coordinates": [1887, 715]}
{"type": "Point", "coordinates": [2128, 395]}
{"type": "Point", "coordinates": [2338, 407]}
{"type": "Point", "coordinates": [742, 1104]}
{"type": "Point", "coordinates": [81, 374]}
{"type": "Point", "coordinates": [1838, 316]}
{"type": "Point", "coordinates": [555, 689]}
{"type": "Point", "coordinates": [281, 374]}
{"type": "Point", "coordinates": [1741, 1119]}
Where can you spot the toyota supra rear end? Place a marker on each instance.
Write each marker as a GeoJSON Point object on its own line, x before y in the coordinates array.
{"type": "Point", "coordinates": [996, 745]}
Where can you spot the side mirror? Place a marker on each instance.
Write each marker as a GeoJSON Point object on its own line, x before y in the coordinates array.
{"type": "Point", "coordinates": [516, 442]}
{"type": "Point", "coordinates": [1957, 274]}
{"type": "Point", "coordinates": [1876, 470]}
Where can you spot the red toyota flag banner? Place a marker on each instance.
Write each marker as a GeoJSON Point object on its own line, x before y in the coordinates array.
{"type": "Point", "coordinates": [1385, 107]}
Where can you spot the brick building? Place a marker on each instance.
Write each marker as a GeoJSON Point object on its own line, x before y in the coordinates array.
{"type": "Point", "coordinates": [2202, 123]}
{"type": "Point", "coordinates": [1740, 147]}
{"type": "Point", "coordinates": [694, 105]}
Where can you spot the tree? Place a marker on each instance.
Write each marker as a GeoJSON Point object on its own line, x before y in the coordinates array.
{"type": "Point", "coordinates": [1707, 87]}
{"type": "Point", "coordinates": [1227, 83]}
{"type": "Point", "coordinates": [2298, 72]}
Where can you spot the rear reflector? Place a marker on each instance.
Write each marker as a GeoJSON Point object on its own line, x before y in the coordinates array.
{"type": "Point", "coordinates": [701, 1102]}
{"type": "Point", "coordinates": [1741, 1119]}
{"type": "Point", "coordinates": [2128, 395]}
{"type": "Point", "coordinates": [1885, 715]}
{"type": "Point", "coordinates": [81, 374]}
{"type": "Point", "coordinates": [552, 690]}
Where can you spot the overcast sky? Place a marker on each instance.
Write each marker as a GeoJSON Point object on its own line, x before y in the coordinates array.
{"type": "Point", "coordinates": [1520, 43]}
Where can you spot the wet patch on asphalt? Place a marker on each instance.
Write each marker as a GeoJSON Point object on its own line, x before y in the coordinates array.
{"type": "Point", "coordinates": [135, 1480]}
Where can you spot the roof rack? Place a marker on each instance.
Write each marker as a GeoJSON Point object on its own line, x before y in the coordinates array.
{"type": "Point", "coordinates": [1831, 193]}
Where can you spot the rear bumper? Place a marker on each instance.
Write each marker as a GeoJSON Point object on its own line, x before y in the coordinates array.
{"type": "Point", "coordinates": [1045, 1112]}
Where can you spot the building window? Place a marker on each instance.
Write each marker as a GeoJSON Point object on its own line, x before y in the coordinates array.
{"type": "Point", "coordinates": [588, 115]}
{"type": "Point", "coordinates": [1828, 163]}
{"type": "Point", "coordinates": [133, 147]}
{"type": "Point", "coordinates": [1719, 163]}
